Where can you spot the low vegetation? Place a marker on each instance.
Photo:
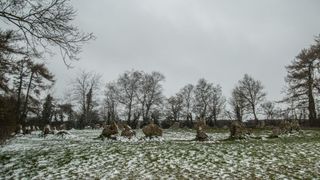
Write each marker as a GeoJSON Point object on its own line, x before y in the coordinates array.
{"type": "Point", "coordinates": [175, 155]}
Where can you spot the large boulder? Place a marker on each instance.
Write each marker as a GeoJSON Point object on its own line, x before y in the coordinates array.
{"type": "Point", "coordinates": [201, 135]}
{"type": "Point", "coordinates": [47, 130]}
{"type": "Point", "coordinates": [288, 127]}
{"type": "Point", "coordinates": [110, 130]}
{"type": "Point", "coordinates": [295, 126]}
{"type": "Point", "coordinates": [285, 127]}
{"type": "Point", "coordinates": [175, 125]}
{"type": "Point", "coordinates": [27, 130]}
{"type": "Point", "coordinates": [152, 130]}
{"type": "Point", "coordinates": [237, 130]}
{"type": "Point", "coordinates": [19, 129]}
{"type": "Point", "coordinates": [276, 131]}
{"type": "Point", "coordinates": [62, 133]}
{"type": "Point", "coordinates": [121, 126]}
{"type": "Point", "coordinates": [127, 132]}
{"type": "Point", "coordinates": [62, 127]}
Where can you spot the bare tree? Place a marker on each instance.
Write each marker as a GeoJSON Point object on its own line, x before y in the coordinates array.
{"type": "Point", "coordinates": [216, 104]}
{"type": "Point", "coordinates": [238, 105]}
{"type": "Point", "coordinates": [252, 92]}
{"type": "Point", "coordinates": [111, 102]}
{"type": "Point", "coordinates": [174, 107]}
{"type": "Point", "coordinates": [85, 88]}
{"type": "Point", "coordinates": [150, 94]}
{"type": "Point", "coordinates": [127, 88]}
{"type": "Point", "coordinates": [187, 95]}
{"type": "Point", "coordinates": [45, 24]}
{"type": "Point", "coordinates": [269, 109]}
{"type": "Point", "coordinates": [202, 96]}
{"type": "Point", "coordinates": [136, 94]}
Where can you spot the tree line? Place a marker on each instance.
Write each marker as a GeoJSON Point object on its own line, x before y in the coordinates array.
{"type": "Point", "coordinates": [136, 98]}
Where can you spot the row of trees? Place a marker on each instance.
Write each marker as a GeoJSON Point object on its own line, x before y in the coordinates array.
{"type": "Point", "coordinates": [138, 96]}
{"type": "Point", "coordinates": [203, 100]}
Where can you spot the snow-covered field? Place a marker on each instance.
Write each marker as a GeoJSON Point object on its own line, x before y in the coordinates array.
{"type": "Point", "coordinates": [79, 156]}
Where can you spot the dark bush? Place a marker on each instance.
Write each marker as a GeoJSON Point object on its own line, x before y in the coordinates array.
{"type": "Point", "coordinates": [8, 117]}
{"type": "Point", "coordinates": [166, 124]}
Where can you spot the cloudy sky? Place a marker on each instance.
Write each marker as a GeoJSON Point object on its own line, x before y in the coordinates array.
{"type": "Point", "coordinates": [188, 39]}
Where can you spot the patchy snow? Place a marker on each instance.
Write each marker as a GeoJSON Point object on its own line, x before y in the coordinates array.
{"type": "Point", "coordinates": [173, 156]}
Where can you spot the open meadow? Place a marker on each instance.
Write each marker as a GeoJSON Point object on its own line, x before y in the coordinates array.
{"type": "Point", "coordinates": [175, 155]}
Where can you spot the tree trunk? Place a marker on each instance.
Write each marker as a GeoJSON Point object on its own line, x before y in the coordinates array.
{"type": "Point", "coordinates": [84, 107]}
{"type": "Point", "coordinates": [204, 112]}
{"type": "Point", "coordinates": [130, 109]}
{"type": "Point", "coordinates": [238, 114]}
{"type": "Point", "coordinates": [25, 109]}
{"type": "Point", "coordinates": [254, 114]}
{"type": "Point", "coordinates": [311, 105]}
{"type": "Point", "coordinates": [148, 107]}
{"type": "Point", "coordinates": [189, 118]}
{"type": "Point", "coordinates": [19, 94]}
{"type": "Point", "coordinates": [129, 115]}
{"type": "Point", "coordinates": [215, 119]}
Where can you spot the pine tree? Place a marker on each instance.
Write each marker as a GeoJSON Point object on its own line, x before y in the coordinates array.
{"type": "Point", "coordinates": [48, 109]}
{"type": "Point", "coordinates": [302, 81]}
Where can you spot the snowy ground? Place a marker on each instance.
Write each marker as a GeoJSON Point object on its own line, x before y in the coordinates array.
{"type": "Point", "coordinates": [79, 156]}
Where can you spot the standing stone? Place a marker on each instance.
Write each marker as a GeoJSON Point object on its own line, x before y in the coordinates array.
{"type": "Point", "coordinates": [19, 129]}
{"type": "Point", "coordinates": [152, 130]}
{"type": "Point", "coordinates": [127, 132]}
{"type": "Point", "coordinates": [47, 130]}
{"type": "Point", "coordinates": [110, 130]}
{"type": "Point", "coordinates": [201, 135]}
{"type": "Point", "coordinates": [237, 130]}
{"type": "Point", "coordinates": [275, 132]}
{"type": "Point", "coordinates": [295, 125]}
{"type": "Point", "coordinates": [27, 130]}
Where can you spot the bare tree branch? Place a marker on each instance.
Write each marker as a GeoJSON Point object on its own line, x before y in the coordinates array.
{"type": "Point", "coordinates": [45, 24]}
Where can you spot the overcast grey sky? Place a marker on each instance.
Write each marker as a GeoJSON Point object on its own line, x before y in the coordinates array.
{"type": "Point", "coordinates": [188, 39]}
